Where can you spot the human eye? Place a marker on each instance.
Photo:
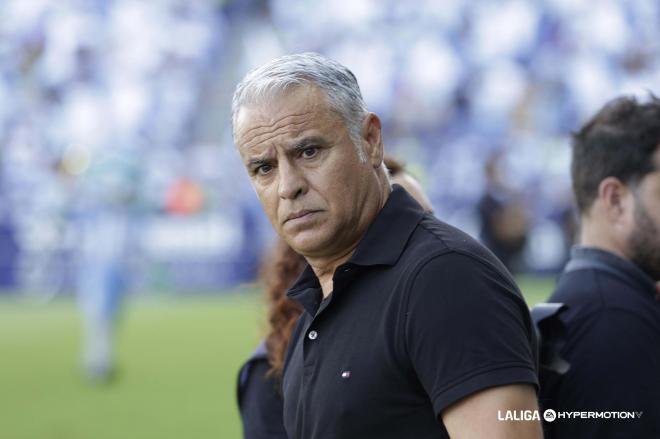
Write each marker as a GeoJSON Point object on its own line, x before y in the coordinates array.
{"type": "Point", "coordinates": [263, 169]}
{"type": "Point", "coordinates": [309, 152]}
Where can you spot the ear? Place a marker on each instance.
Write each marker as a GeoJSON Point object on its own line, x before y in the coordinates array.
{"type": "Point", "coordinates": [372, 141]}
{"type": "Point", "coordinates": [614, 196]}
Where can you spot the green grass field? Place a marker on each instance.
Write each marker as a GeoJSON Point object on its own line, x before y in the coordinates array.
{"type": "Point", "coordinates": [179, 357]}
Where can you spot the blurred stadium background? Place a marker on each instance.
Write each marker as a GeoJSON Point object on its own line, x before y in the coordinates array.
{"type": "Point", "coordinates": [115, 148]}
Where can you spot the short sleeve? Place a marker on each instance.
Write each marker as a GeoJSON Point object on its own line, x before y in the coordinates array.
{"type": "Point", "coordinates": [614, 367]}
{"type": "Point", "coordinates": [467, 329]}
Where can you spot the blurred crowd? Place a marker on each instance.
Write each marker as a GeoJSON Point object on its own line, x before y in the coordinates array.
{"type": "Point", "coordinates": [115, 143]}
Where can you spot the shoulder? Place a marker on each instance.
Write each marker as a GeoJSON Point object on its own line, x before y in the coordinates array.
{"type": "Point", "coordinates": [622, 337]}
{"type": "Point", "coordinates": [453, 274]}
{"type": "Point", "coordinates": [591, 292]}
{"type": "Point", "coordinates": [446, 260]}
{"type": "Point", "coordinates": [462, 290]}
{"type": "Point", "coordinates": [256, 364]}
{"type": "Point", "coordinates": [436, 242]}
{"type": "Point", "coordinates": [612, 342]}
{"type": "Point", "coordinates": [580, 291]}
{"type": "Point", "coordinates": [612, 355]}
{"type": "Point", "coordinates": [260, 402]}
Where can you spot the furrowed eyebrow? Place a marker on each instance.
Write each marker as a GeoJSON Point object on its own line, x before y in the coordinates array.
{"type": "Point", "coordinates": [306, 143]}
{"type": "Point", "coordinates": [254, 163]}
{"type": "Point", "coordinates": [295, 148]}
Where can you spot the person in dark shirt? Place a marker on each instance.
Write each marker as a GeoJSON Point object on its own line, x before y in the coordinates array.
{"type": "Point", "coordinates": [610, 283]}
{"type": "Point", "coordinates": [259, 380]}
{"type": "Point", "coordinates": [410, 327]}
{"type": "Point", "coordinates": [504, 218]}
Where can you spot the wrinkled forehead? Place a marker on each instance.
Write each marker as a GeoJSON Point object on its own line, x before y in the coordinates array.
{"type": "Point", "coordinates": [269, 99]}
{"type": "Point", "coordinates": [289, 109]}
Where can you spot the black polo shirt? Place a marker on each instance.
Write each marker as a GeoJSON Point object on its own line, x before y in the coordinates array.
{"type": "Point", "coordinates": [420, 316]}
{"type": "Point", "coordinates": [612, 345]}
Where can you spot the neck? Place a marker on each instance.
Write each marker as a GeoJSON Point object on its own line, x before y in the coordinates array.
{"type": "Point", "coordinates": [324, 267]}
{"type": "Point", "coordinates": [592, 235]}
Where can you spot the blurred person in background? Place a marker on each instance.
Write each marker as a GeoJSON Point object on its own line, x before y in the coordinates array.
{"type": "Point", "coordinates": [410, 327]}
{"type": "Point", "coordinates": [611, 281]}
{"type": "Point", "coordinates": [9, 249]}
{"type": "Point", "coordinates": [103, 217]}
{"type": "Point", "coordinates": [504, 218]}
{"type": "Point", "coordinates": [101, 284]}
{"type": "Point", "coordinates": [259, 380]}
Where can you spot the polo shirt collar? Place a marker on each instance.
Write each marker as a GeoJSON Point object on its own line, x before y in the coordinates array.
{"type": "Point", "coordinates": [388, 234]}
{"type": "Point", "coordinates": [627, 269]}
{"type": "Point", "coordinates": [382, 244]}
{"type": "Point", "coordinates": [307, 291]}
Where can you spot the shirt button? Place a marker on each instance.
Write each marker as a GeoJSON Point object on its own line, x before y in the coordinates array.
{"type": "Point", "coordinates": [312, 335]}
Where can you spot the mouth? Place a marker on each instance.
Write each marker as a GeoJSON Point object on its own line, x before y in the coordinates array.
{"type": "Point", "coordinates": [299, 215]}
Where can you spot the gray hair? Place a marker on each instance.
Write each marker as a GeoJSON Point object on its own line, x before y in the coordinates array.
{"type": "Point", "coordinates": [337, 83]}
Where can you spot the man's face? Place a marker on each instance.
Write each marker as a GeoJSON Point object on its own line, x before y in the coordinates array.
{"type": "Point", "coordinates": [644, 238]}
{"type": "Point", "coordinates": [306, 171]}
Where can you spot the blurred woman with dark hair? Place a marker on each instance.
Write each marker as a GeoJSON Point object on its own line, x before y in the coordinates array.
{"type": "Point", "coordinates": [259, 394]}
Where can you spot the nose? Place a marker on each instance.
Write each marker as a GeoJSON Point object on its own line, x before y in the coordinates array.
{"type": "Point", "coordinates": [292, 181]}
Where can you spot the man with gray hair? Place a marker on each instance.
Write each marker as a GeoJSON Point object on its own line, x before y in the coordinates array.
{"type": "Point", "coordinates": [411, 328]}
